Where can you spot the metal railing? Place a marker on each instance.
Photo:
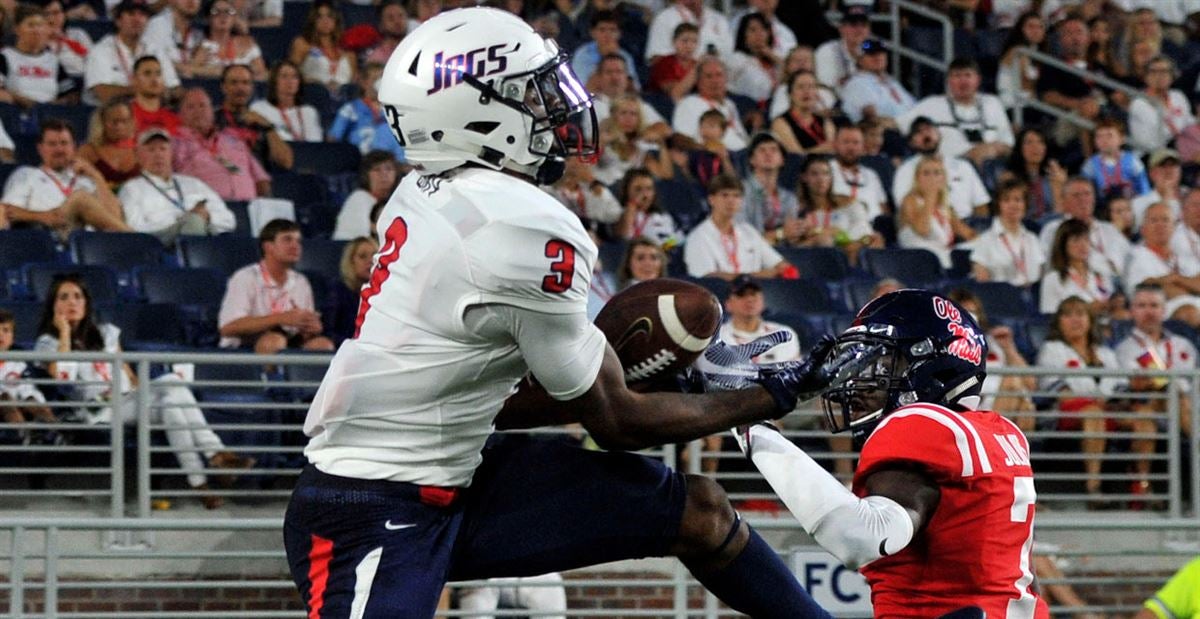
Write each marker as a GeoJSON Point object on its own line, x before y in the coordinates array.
{"type": "Point", "coordinates": [896, 45]}
{"type": "Point", "coordinates": [1024, 100]}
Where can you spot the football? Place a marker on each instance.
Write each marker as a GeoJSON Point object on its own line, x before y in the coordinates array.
{"type": "Point", "coordinates": [659, 327]}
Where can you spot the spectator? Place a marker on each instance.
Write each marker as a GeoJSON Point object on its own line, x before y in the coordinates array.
{"type": "Point", "coordinates": [715, 37]}
{"type": "Point", "coordinates": [711, 94]}
{"type": "Point", "coordinates": [582, 194]}
{"type": "Point", "coordinates": [167, 205]}
{"type": "Point", "coordinates": [110, 143]}
{"type": "Point", "coordinates": [1070, 272]}
{"type": "Point", "coordinates": [968, 196]}
{"type": "Point", "coordinates": [1134, 74]}
{"type": "Point", "coordinates": [1153, 262]}
{"type": "Point", "coordinates": [1149, 346]}
{"type": "Point", "coordinates": [224, 46]}
{"type": "Point", "coordinates": [1017, 75]}
{"type": "Point", "coordinates": [1185, 241]}
{"type": "Point", "coordinates": [109, 68]}
{"type": "Point", "coordinates": [172, 30]}
{"type": "Point", "coordinates": [605, 31]}
{"type": "Point", "coordinates": [1119, 213]}
{"type": "Point", "coordinates": [1042, 175]}
{"type": "Point", "coordinates": [377, 177]}
{"type": "Point", "coordinates": [801, 130]}
{"type": "Point", "coordinates": [293, 119]}
{"type": "Point", "coordinates": [218, 158]}
{"type": "Point", "coordinates": [712, 150]}
{"type": "Point", "coordinates": [627, 142]}
{"type": "Point", "coordinates": [237, 119]}
{"type": "Point", "coordinates": [754, 64]}
{"type": "Point", "coordinates": [851, 178]}
{"type": "Point", "coordinates": [801, 58]}
{"type": "Point", "coordinates": [644, 260]}
{"type": "Point", "coordinates": [71, 44]}
{"type": "Point", "coordinates": [769, 208]}
{"type": "Point", "coordinates": [358, 257]}
{"type": "Point", "coordinates": [1166, 174]}
{"type": "Point", "coordinates": [268, 305]}
{"type": "Point", "coordinates": [723, 247]}
{"type": "Point", "coordinates": [392, 20]}
{"type": "Point", "coordinates": [927, 219]}
{"type": "Point", "coordinates": [32, 404]}
{"type": "Point", "coordinates": [829, 220]}
{"type": "Point", "coordinates": [30, 71]}
{"type": "Point", "coordinates": [1177, 598]}
{"type": "Point", "coordinates": [1008, 252]}
{"type": "Point", "coordinates": [1142, 26]}
{"type": "Point", "coordinates": [642, 218]}
{"type": "Point", "coordinates": [318, 51]}
{"type": "Point", "coordinates": [1007, 394]}
{"type": "Point", "coordinates": [871, 92]}
{"type": "Point", "coordinates": [259, 14]}
{"type": "Point", "coordinates": [148, 105]}
{"type": "Point", "coordinates": [836, 59]}
{"type": "Point", "coordinates": [1100, 55]}
{"type": "Point", "coordinates": [675, 74]}
{"type": "Point", "coordinates": [359, 120]}
{"type": "Point", "coordinates": [1074, 342]}
{"type": "Point", "coordinates": [1114, 170]}
{"type": "Point", "coordinates": [973, 125]}
{"type": "Point", "coordinates": [783, 36]}
{"type": "Point", "coordinates": [1109, 246]}
{"type": "Point", "coordinates": [886, 285]}
{"type": "Point", "coordinates": [68, 324]}
{"type": "Point", "coordinates": [1163, 114]}
{"type": "Point", "coordinates": [65, 192]}
{"type": "Point", "coordinates": [612, 81]}
{"type": "Point", "coordinates": [1066, 90]}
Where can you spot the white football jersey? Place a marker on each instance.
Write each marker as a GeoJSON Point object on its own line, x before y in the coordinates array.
{"type": "Point", "coordinates": [413, 396]}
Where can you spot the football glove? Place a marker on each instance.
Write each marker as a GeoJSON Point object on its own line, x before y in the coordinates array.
{"type": "Point", "coordinates": [731, 368]}
{"type": "Point", "coordinates": [797, 381]}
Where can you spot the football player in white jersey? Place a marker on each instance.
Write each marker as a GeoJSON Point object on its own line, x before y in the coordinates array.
{"type": "Point", "coordinates": [481, 279]}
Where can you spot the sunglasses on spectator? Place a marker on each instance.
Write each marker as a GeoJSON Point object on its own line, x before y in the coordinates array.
{"type": "Point", "coordinates": [223, 12]}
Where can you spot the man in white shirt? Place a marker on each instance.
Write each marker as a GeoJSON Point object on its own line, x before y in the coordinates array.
{"type": "Point", "coordinates": [166, 204]}
{"type": "Point", "coordinates": [836, 59]}
{"type": "Point", "coordinates": [711, 94]}
{"type": "Point", "coordinates": [968, 195]}
{"type": "Point", "coordinates": [1185, 241]}
{"type": "Point", "coordinates": [715, 36]}
{"type": "Point", "coordinates": [783, 36]}
{"type": "Point", "coordinates": [110, 63]}
{"type": "Point", "coordinates": [745, 306]}
{"type": "Point", "coordinates": [172, 30]}
{"type": "Point", "coordinates": [973, 125]}
{"type": "Point", "coordinates": [30, 72]}
{"type": "Point", "coordinates": [872, 92]}
{"type": "Point", "coordinates": [268, 305]}
{"type": "Point", "coordinates": [63, 193]}
{"type": "Point", "coordinates": [1153, 262]}
{"type": "Point", "coordinates": [851, 178]}
{"type": "Point", "coordinates": [1110, 248]}
{"type": "Point", "coordinates": [612, 81]}
{"type": "Point", "coordinates": [1166, 175]}
{"type": "Point", "coordinates": [723, 247]}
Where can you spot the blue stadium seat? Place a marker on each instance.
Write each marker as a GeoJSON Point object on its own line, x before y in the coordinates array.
{"type": "Point", "coordinates": [322, 256]}
{"type": "Point", "coordinates": [715, 285]}
{"type": "Point", "coordinates": [100, 281]}
{"type": "Point", "coordinates": [188, 286]}
{"type": "Point", "coordinates": [1000, 299]}
{"type": "Point", "coordinates": [210, 85]}
{"type": "Point", "coordinates": [821, 263]}
{"type": "Point", "coordinates": [354, 14]}
{"type": "Point", "coordinates": [882, 165]}
{"type": "Point", "coordinates": [4, 291]}
{"type": "Point", "coordinates": [914, 267]}
{"type": "Point", "coordinates": [310, 195]}
{"type": "Point", "coordinates": [95, 28]}
{"type": "Point", "coordinates": [26, 149]}
{"type": "Point", "coordinates": [18, 121]}
{"type": "Point", "coordinates": [683, 200]}
{"type": "Point", "coordinates": [22, 246]}
{"type": "Point", "coordinates": [225, 253]}
{"type": "Point", "coordinates": [219, 403]}
{"type": "Point", "coordinates": [960, 264]}
{"type": "Point", "coordinates": [119, 251]}
{"type": "Point", "coordinates": [317, 95]}
{"type": "Point", "coordinates": [324, 158]}
{"type": "Point", "coordinates": [27, 315]}
{"type": "Point", "coordinates": [796, 296]}
{"type": "Point", "coordinates": [150, 326]}
{"type": "Point", "coordinates": [241, 216]}
{"type": "Point", "coordinates": [306, 373]}
{"type": "Point", "coordinates": [789, 175]}
{"type": "Point", "coordinates": [612, 253]}
{"type": "Point", "coordinates": [320, 284]}
{"type": "Point", "coordinates": [662, 103]}
{"type": "Point", "coordinates": [273, 42]}
{"type": "Point", "coordinates": [857, 292]}
{"type": "Point", "coordinates": [78, 116]}
{"type": "Point", "coordinates": [6, 170]}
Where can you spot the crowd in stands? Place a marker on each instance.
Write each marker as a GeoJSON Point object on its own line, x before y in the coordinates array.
{"type": "Point", "coordinates": [775, 141]}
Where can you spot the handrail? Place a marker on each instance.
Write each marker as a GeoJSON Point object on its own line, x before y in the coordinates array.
{"type": "Point", "coordinates": [1057, 63]}
{"type": "Point", "coordinates": [898, 49]}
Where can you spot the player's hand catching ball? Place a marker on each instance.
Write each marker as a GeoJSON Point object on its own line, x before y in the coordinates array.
{"type": "Point", "coordinates": [729, 368]}
{"type": "Point", "coordinates": [796, 381]}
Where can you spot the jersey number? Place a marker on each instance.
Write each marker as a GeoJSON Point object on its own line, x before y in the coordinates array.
{"type": "Point", "coordinates": [562, 270]}
{"type": "Point", "coordinates": [393, 239]}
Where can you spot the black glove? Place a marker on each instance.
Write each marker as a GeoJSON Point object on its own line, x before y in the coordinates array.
{"type": "Point", "coordinates": [729, 368]}
{"type": "Point", "coordinates": [792, 382]}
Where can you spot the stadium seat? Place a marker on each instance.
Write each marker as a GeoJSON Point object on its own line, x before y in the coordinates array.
{"type": "Point", "coordinates": [324, 158]}
{"type": "Point", "coordinates": [789, 175]}
{"type": "Point", "coordinates": [233, 386]}
{"type": "Point", "coordinates": [820, 263]}
{"type": "Point", "coordinates": [18, 121]}
{"type": "Point", "coordinates": [305, 373]}
{"type": "Point", "coordinates": [661, 102]}
{"type": "Point", "coordinates": [26, 149]}
{"type": "Point", "coordinates": [796, 296]}
{"type": "Point", "coordinates": [119, 251]}
{"type": "Point", "coordinates": [150, 326]}
{"type": "Point", "coordinates": [914, 267]}
{"type": "Point", "coordinates": [4, 291]}
{"type": "Point", "coordinates": [683, 201]}
{"type": "Point", "coordinates": [612, 253]}
{"type": "Point", "coordinates": [317, 95]}
{"type": "Point", "coordinates": [273, 42]}
{"type": "Point", "coordinates": [100, 281]}
{"type": "Point", "coordinates": [241, 216]}
{"type": "Point", "coordinates": [22, 246]}
{"type": "Point", "coordinates": [715, 285]}
{"type": "Point", "coordinates": [27, 315]}
{"type": "Point", "coordinates": [188, 286]}
{"type": "Point", "coordinates": [95, 28]}
{"type": "Point", "coordinates": [6, 170]}
{"type": "Point", "coordinates": [1001, 300]}
{"type": "Point", "coordinates": [354, 14]}
{"type": "Point", "coordinates": [322, 256]}
{"type": "Point", "coordinates": [225, 253]}
{"type": "Point", "coordinates": [78, 116]}
{"type": "Point", "coordinates": [320, 284]}
{"type": "Point", "coordinates": [857, 292]}
{"type": "Point", "coordinates": [309, 194]}
{"type": "Point", "coordinates": [210, 85]}
{"type": "Point", "coordinates": [960, 264]}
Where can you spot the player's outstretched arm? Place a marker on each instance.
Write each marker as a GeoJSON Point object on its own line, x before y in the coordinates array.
{"type": "Point", "coordinates": [855, 530]}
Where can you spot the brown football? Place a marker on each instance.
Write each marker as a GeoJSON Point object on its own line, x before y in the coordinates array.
{"type": "Point", "coordinates": [659, 327]}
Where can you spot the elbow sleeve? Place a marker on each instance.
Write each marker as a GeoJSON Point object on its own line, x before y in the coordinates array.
{"type": "Point", "coordinates": [861, 531]}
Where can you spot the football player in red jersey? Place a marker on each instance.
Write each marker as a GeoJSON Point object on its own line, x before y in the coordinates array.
{"type": "Point", "coordinates": [940, 517]}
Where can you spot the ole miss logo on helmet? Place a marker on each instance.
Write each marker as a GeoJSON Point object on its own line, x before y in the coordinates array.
{"type": "Point", "coordinates": [480, 62]}
{"type": "Point", "coordinates": [966, 344]}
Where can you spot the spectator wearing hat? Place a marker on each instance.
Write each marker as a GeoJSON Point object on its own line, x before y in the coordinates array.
{"type": "Point", "coordinates": [968, 195]}
{"type": "Point", "coordinates": [836, 59]}
{"type": "Point", "coordinates": [1166, 175]}
{"type": "Point", "coordinates": [711, 94]}
{"type": "Point", "coordinates": [771, 209]}
{"type": "Point", "coordinates": [109, 68]}
{"type": "Point", "coordinates": [165, 204]}
{"type": "Point", "coordinates": [715, 37]}
{"type": "Point", "coordinates": [872, 92]}
{"type": "Point", "coordinates": [723, 247]}
{"type": "Point", "coordinates": [973, 125]}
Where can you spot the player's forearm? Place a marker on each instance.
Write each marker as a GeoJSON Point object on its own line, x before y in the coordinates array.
{"type": "Point", "coordinates": [659, 418]}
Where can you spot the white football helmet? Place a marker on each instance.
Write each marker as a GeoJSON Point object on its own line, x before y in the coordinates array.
{"type": "Point", "coordinates": [478, 85]}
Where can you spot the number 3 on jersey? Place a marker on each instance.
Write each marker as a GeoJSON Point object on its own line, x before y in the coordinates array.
{"type": "Point", "coordinates": [393, 239]}
{"type": "Point", "coordinates": [562, 269]}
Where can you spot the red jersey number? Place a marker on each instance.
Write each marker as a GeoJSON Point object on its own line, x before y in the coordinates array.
{"type": "Point", "coordinates": [393, 239]}
{"type": "Point", "coordinates": [562, 270]}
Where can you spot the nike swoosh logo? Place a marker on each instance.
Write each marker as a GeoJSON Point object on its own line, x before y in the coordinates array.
{"type": "Point", "coordinates": [883, 548]}
{"type": "Point", "coordinates": [641, 325]}
{"type": "Point", "coordinates": [396, 527]}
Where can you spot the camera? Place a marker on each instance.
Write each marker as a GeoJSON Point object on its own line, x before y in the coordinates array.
{"type": "Point", "coordinates": [974, 136]}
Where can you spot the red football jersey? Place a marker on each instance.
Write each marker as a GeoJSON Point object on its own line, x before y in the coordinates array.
{"type": "Point", "coordinates": [975, 550]}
